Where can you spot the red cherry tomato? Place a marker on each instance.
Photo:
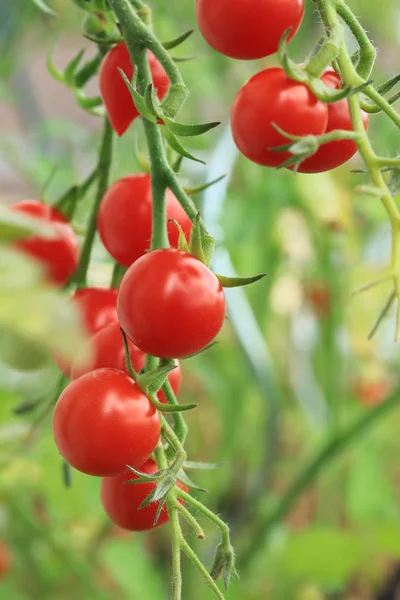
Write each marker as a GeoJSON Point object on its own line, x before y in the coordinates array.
{"type": "Point", "coordinates": [5, 559]}
{"type": "Point", "coordinates": [108, 351]}
{"type": "Point", "coordinates": [247, 29]}
{"type": "Point", "coordinates": [121, 500]}
{"type": "Point", "coordinates": [170, 304]}
{"type": "Point", "coordinates": [59, 255]}
{"type": "Point", "coordinates": [125, 218]}
{"type": "Point", "coordinates": [98, 307]}
{"type": "Point", "coordinates": [271, 97]}
{"type": "Point", "coordinates": [116, 96]}
{"type": "Point", "coordinates": [332, 155]}
{"type": "Point", "coordinates": [103, 422]}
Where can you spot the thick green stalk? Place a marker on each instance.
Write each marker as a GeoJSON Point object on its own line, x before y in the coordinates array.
{"type": "Point", "coordinates": [104, 168]}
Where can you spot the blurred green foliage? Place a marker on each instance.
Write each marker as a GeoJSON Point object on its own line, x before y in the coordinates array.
{"type": "Point", "coordinates": [316, 240]}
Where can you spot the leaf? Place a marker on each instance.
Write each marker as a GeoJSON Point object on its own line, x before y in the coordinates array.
{"type": "Point", "coordinates": [177, 146]}
{"type": "Point", "coordinates": [178, 41]}
{"type": "Point", "coordinates": [41, 5]}
{"type": "Point", "coordinates": [189, 130]}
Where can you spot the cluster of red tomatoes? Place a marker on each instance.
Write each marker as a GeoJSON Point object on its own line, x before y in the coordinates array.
{"type": "Point", "coordinates": [251, 29]}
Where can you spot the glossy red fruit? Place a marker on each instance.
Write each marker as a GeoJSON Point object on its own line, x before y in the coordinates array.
{"type": "Point", "coordinates": [59, 255]}
{"type": "Point", "coordinates": [332, 155]}
{"type": "Point", "coordinates": [107, 350]}
{"type": "Point", "coordinates": [247, 29]}
{"type": "Point", "coordinates": [98, 307]}
{"type": "Point", "coordinates": [114, 92]}
{"type": "Point", "coordinates": [271, 97]}
{"type": "Point", "coordinates": [5, 559]}
{"type": "Point", "coordinates": [170, 304]}
{"type": "Point", "coordinates": [121, 500]}
{"type": "Point", "coordinates": [125, 218]}
{"type": "Point", "coordinates": [103, 422]}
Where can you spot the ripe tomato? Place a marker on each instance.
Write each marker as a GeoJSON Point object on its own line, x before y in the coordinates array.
{"type": "Point", "coordinates": [107, 348]}
{"type": "Point", "coordinates": [170, 304]}
{"type": "Point", "coordinates": [271, 97]}
{"type": "Point", "coordinates": [58, 255]}
{"type": "Point", "coordinates": [121, 500]}
{"type": "Point", "coordinates": [332, 155]}
{"type": "Point", "coordinates": [116, 96]}
{"type": "Point", "coordinates": [125, 218]}
{"type": "Point", "coordinates": [247, 29]}
{"type": "Point", "coordinates": [103, 422]}
{"type": "Point", "coordinates": [98, 307]}
{"type": "Point", "coordinates": [5, 559]}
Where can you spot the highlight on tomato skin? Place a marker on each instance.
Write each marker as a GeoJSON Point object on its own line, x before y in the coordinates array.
{"type": "Point", "coordinates": [59, 255]}
{"type": "Point", "coordinates": [121, 500]}
{"type": "Point", "coordinates": [103, 421]}
{"type": "Point", "coordinates": [268, 98]}
{"type": "Point", "coordinates": [247, 29]}
{"type": "Point", "coordinates": [106, 349]}
{"type": "Point", "coordinates": [125, 218]}
{"type": "Point", "coordinates": [116, 96]}
{"type": "Point", "coordinates": [170, 304]}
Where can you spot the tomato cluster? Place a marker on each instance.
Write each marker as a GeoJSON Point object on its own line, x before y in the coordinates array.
{"type": "Point", "coordinates": [250, 29]}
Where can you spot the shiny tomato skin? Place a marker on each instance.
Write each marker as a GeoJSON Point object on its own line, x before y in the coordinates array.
{"type": "Point", "coordinates": [170, 304]}
{"type": "Point", "coordinates": [121, 500]}
{"type": "Point", "coordinates": [271, 97]}
{"type": "Point", "coordinates": [114, 91]}
{"type": "Point", "coordinates": [247, 29]}
{"type": "Point", "coordinates": [103, 422]}
{"type": "Point", "coordinates": [60, 255]}
{"type": "Point", "coordinates": [125, 218]}
{"type": "Point", "coordinates": [5, 559]}
{"type": "Point", "coordinates": [108, 351]}
{"type": "Point", "coordinates": [332, 155]}
{"type": "Point", "coordinates": [98, 307]}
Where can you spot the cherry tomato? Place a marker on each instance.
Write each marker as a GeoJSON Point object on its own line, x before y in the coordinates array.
{"type": "Point", "coordinates": [108, 351]}
{"type": "Point", "coordinates": [170, 304]}
{"type": "Point", "coordinates": [59, 255]}
{"type": "Point", "coordinates": [247, 29]}
{"type": "Point", "coordinates": [98, 307]}
{"type": "Point", "coordinates": [271, 97]}
{"type": "Point", "coordinates": [116, 96]}
{"type": "Point", "coordinates": [332, 155]}
{"type": "Point", "coordinates": [121, 500]}
{"type": "Point", "coordinates": [5, 559]}
{"type": "Point", "coordinates": [125, 218]}
{"type": "Point", "coordinates": [103, 422]}
{"type": "Point", "coordinates": [371, 393]}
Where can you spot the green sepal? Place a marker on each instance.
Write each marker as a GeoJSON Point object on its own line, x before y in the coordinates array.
{"type": "Point", "coordinates": [208, 243]}
{"type": "Point", "coordinates": [151, 381]}
{"type": "Point", "coordinates": [385, 87]}
{"type": "Point", "coordinates": [181, 59]}
{"type": "Point", "coordinates": [195, 243]}
{"type": "Point", "coordinates": [183, 478]}
{"type": "Point", "coordinates": [25, 407]}
{"type": "Point", "coordinates": [67, 474]}
{"type": "Point", "coordinates": [85, 4]}
{"type": "Point", "coordinates": [175, 99]}
{"type": "Point", "coordinates": [178, 41]}
{"type": "Point", "coordinates": [182, 241]}
{"type": "Point", "coordinates": [202, 466]}
{"type": "Point", "coordinates": [52, 69]}
{"type": "Point", "coordinates": [41, 5]}
{"type": "Point", "coordinates": [91, 105]}
{"type": "Point", "coordinates": [144, 477]}
{"type": "Point", "coordinates": [394, 181]}
{"type": "Point", "coordinates": [176, 165]}
{"type": "Point", "coordinates": [69, 71]}
{"type": "Point", "coordinates": [151, 101]}
{"type": "Point", "coordinates": [355, 57]}
{"type": "Point", "coordinates": [204, 186]}
{"type": "Point", "coordinates": [175, 144]}
{"type": "Point", "coordinates": [138, 99]}
{"type": "Point", "coordinates": [232, 282]}
{"type": "Point", "coordinates": [189, 130]}
{"type": "Point", "coordinates": [210, 345]}
{"type": "Point", "coordinates": [161, 491]}
{"type": "Point", "coordinates": [88, 71]}
{"type": "Point", "coordinates": [224, 564]}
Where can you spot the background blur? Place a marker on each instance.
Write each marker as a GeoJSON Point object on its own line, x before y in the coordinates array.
{"type": "Point", "coordinates": [292, 368]}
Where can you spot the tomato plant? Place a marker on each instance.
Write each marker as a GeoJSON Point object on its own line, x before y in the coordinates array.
{"type": "Point", "coordinates": [170, 304]}
{"type": "Point", "coordinates": [247, 29]}
{"type": "Point", "coordinates": [269, 98]}
{"type": "Point", "coordinates": [59, 255]}
{"type": "Point", "coordinates": [121, 500]}
{"type": "Point", "coordinates": [103, 422]}
{"type": "Point", "coordinates": [116, 97]}
{"type": "Point", "coordinates": [125, 219]}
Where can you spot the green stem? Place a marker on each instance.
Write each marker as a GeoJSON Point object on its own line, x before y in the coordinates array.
{"type": "Point", "coordinates": [223, 527]}
{"type": "Point", "coordinates": [181, 428]}
{"type": "Point", "coordinates": [104, 167]}
{"type": "Point", "coordinates": [383, 104]}
{"type": "Point", "coordinates": [197, 562]}
{"type": "Point", "coordinates": [329, 452]}
{"type": "Point", "coordinates": [191, 520]}
{"type": "Point", "coordinates": [367, 49]}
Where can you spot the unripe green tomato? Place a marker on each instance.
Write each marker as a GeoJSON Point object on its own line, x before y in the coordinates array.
{"type": "Point", "coordinates": [20, 353]}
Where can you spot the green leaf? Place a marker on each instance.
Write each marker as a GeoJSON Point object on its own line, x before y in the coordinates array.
{"type": "Point", "coordinates": [177, 146]}
{"type": "Point", "coordinates": [41, 5]}
{"type": "Point", "coordinates": [231, 282]}
{"type": "Point", "coordinates": [138, 100]}
{"type": "Point", "coordinates": [189, 130]}
{"type": "Point", "coordinates": [178, 41]}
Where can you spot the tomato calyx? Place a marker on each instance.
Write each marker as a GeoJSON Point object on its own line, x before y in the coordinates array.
{"type": "Point", "coordinates": [224, 563]}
